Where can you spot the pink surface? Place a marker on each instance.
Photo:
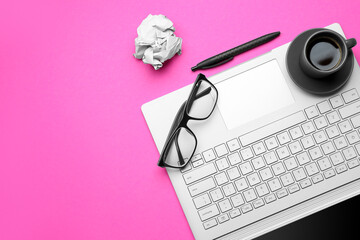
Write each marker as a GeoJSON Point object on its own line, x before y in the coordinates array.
{"type": "Point", "coordinates": [77, 160]}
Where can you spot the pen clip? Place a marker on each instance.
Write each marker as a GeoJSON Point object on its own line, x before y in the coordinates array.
{"type": "Point", "coordinates": [219, 63]}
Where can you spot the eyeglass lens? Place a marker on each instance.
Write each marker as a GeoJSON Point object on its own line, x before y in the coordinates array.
{"type": "Point", "coordinates": [204, 102]}
{"type": "Point", "coordinates": [182, 146]}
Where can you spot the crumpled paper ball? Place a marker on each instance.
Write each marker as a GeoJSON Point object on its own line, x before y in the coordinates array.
{"type": "Point", "coordinates": [156, 41]}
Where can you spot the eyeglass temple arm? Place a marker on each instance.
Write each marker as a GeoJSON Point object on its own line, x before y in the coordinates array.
{"type": "Point", "coordinates": [199, 95]}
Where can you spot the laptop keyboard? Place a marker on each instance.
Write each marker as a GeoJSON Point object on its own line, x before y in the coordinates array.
{"type": "Point", "coordinates": [278, 160]}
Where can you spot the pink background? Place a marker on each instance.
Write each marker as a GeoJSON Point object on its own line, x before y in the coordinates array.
{"type": "Point", "coordinates": [77, 160]}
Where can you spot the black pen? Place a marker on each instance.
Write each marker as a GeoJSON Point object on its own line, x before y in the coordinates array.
{"type": "Point", "coordinates": [230, 54]}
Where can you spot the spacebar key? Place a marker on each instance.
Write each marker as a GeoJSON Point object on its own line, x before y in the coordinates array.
{"type": "Point", "coordinates": [272, 128]}
{"type": "Point", "coordinates": [199, 173]}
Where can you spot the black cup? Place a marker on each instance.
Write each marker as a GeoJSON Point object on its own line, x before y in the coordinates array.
{"type": "Point", "coordinates": [324, 53]}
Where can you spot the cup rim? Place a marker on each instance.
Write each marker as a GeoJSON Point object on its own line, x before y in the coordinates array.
{"type": "Point", "coordinates": [343, 46]}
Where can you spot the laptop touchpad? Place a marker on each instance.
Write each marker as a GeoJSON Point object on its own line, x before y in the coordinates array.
{"type": "Point", "coordinates": [253, 94]}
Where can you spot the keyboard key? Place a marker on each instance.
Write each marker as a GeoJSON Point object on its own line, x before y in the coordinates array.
{"type": "Point", "coordinates": [235, 213]}
{"type": "Point", "coordinates": [349, 153]}
{"type": "Point", "coordinates": [328, 148]}
{"type": "Point", "coordinates": [295, 133]}
{"type": "Point", "coordinates": [345, 126]}
{"type": "Point", "coordinates": [270, 158]}
{"type": "Point", "coordinates": [294, 188]}
{"type": "Point", "coordinates": [270, 198]}
{"type": "Point", "coordinates": [237, 200]}
{"type": "Point", "coordinates": [241, 184]}
{"type": "Point", "coordinates": [225, 205]}
{"type": "Point", "coordinates": [272, 128]}
{"type": "Point", "coordinates": [221, 178]}
{"type": "Point", "coordinates": [186, 168]}
{"type": "Point", "coordinates": [324, 106]}
{"type": "Point", "coordinates": [341, 168]}
{"type": "Point", "coordinates": [355, 121]}
{"type": "Point", "coordinates": [330, 173]}
{"type": "Point", "coordinates": [222, 164]}
{"type": "Point", "coordinates": [209, 155]}
{"type": "Point", "coordinates": [258, 163]}
{"type": "Point", "coordinates": [259, 148]}
{"type": "Point", "coordinates": [350, 110]}
{"type": "Point", "coordinates": [233, 173]}
{"type": "Point", "coordinates": [290, 163]}
{"type": "Point", "coordinates": [317, 178]}
{"type": "Point", "coordinates": [246, 153]}
{"type": "Point", "coordinates": [336, 101]}
{"type": "Point", "coordinates": [245, 168]}
{"type": "Point", "coordinates": [249, 195]}
{"type": "Point", "coordinates": [306, 183]}
{"type": "Point", "coordinates": [216, 195]}
{"type": "Point", "coordinates": [271, 143]}
{"type": "Point", "coordinates": [311, 112]}
{"type": "Point", "coordinates": [353, 163]}
{"type": "Point", "coordinates": [353, 137]}
{"type": "Point", "coordinates": [283, 152]}
{"type": "Point", "coordinates": [303, 158]}
{"type": "Point", "coordinates": [208, 212]}
{"type": "Point", "coordinates": [357, 147]}
{"type": "Point", "coordinates": [221, 150]}
{"type": "Point", "coordinates": [299, 174]}
{"type": "Point", "coordinates": [209, 224]}
{"type": "Point", "coordinates": [283, 138]}
{"type": "Point", "coordinates": [320, 137]}
{"type": "Point", "coordinates": [333, 117]}
{"type": "Point", "coordinates": [315, 153]}
{"type": "Point", "coordinates": [274, 184]}
{"type": "Point", "coordinates": [198, 163]}
{"type": "Point", "coordinates": [201, 187]}
{"type": "Point", "coordinates": [295, 147]}
{"type": "Point", "coordinates": [336, 159]}
{"type": "Point", "coordinates": [320, 122]}
{"type": "Point", "coordinates": [311, 169]}
{"type": "Point", "coordinates": [278, 168]}
{"type": "Point", "coordinates": [199, 173]}
{"type": "Point", "coordinates": [266, 174]}
{"type": "Point", "coordinates": [202, 201]}
{"type": "Point", "coordinates": [324, 164]}
{"type": "Point", "coordinates": [287, 179]}
{"type": "Point", "coordinates": [223, 218]}
{"type": "Point", "coordinates": [246, 208]}
{"type": "Point", "coordinates": [340, 142]}
{"type": "Point", "coordinates": [332, 131]}
{"type": "Point", "coordinates": [258, 203]}
{"type": "Point", "coordinates": [196, 157]}
{"type": "Point", "coordinates": [350, 95]}
{"type": "Point", "coordinates": [233, 145]}
{"type": "Point", "coordinates": [234, 158]}
{"type": "Point", "coordinates": [253, 179]}
{"type": "Point", "coordinates": [229, 189]}
{"type": "Point", "coordinates": [282, 193]}
{"type": "Point", "coordinates": [308, 127]}
{"type": "Point", "coordinates": [262, 190]}
{"type": "Point", "coordinates": [307, 142]}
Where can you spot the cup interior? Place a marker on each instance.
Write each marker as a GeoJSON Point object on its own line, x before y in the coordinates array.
{"type": "Point", "coordinates": [325, 51]}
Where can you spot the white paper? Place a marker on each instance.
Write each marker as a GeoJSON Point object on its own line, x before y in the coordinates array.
{"type": "Point", "coordinates": [156, 41]}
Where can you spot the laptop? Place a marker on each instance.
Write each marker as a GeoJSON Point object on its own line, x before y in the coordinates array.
{"type": "Point", "coordinates": [270, 153]}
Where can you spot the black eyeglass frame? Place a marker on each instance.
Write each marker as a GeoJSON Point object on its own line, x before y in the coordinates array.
{"type": "Point", "coordinates": [182, 118]}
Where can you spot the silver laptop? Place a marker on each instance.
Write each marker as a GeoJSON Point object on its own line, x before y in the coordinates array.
{"type": "Point", "coordinates": [270, 153]}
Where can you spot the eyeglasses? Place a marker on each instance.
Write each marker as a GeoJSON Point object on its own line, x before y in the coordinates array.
{"type": "Point", "coordinates": [181, 142]}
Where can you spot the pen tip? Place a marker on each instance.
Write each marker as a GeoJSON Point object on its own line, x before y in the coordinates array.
{"type": "Point", "coordinates": [194, 68]}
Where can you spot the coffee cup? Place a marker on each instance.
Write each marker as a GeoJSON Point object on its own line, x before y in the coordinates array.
{"type": "Point", "coordinates": [324, 53]}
